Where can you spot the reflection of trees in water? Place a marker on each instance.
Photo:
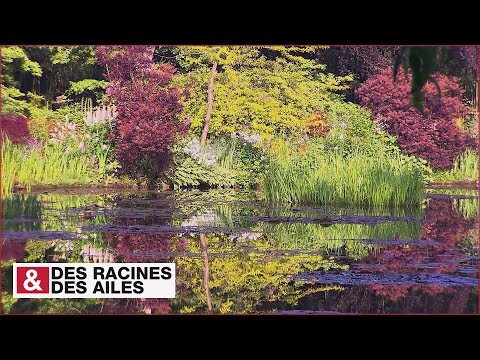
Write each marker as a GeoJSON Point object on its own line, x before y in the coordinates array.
{"type": "Point", "coordinates": [141, 248]}
{"type": "Point", "coordinates": [13, 250]}
{"type": "Point", "coordinates": [135, 306]}
{"type": "Point", "coordinates": [241, 278]}
{"type": "Point", "coordinates": [250, 274]}
{"type": "Point", "coordinates": [145, 247]}
{"type": "Point", "coordinates": [444, 224]}
{"type": "Point", "coordinates": [448, 228]}
{"type": "Point", "coordinates": [395, 300]}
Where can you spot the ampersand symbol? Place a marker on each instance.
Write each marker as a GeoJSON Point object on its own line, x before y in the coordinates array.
{"type": "Point", "coordinates": [35, 284]}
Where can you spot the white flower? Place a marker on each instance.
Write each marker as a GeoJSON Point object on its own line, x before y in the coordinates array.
{"type": "Point", "coordinates": [104, 147]}
{"type": "Point", "coordinates": [340, 136]}
{"type": "Point", "coordinates": [343, 125]}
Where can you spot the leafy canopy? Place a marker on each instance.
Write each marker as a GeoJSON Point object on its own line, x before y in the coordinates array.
{"type": "Point", "coordinates": [270, 91]}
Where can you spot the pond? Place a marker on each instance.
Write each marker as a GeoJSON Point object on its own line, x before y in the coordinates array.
{"type": "Point", "coordinates": [235, 253]}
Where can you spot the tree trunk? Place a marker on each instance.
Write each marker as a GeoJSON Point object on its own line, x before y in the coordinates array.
{"type": "Point", "coordinates": [206, 271]}
{"type": "Point", "coordinates": [206, 124]}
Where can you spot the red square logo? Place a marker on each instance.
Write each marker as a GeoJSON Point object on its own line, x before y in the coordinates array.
{"type": "Point", "coordinates": [33, 280]}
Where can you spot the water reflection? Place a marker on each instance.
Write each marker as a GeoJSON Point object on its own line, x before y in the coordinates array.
{"type": "Point", "coordinates": [236, 254]}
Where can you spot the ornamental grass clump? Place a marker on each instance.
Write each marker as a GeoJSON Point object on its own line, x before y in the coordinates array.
{"type": "Point", "coordinates": [330, 178]}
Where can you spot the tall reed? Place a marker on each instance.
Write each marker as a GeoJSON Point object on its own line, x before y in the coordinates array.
{"type": "Point", "coordinates": [468, 208]}
{"type": "Point", "coordinates": [465, 168]}
{"type": "Point", "coordinates": [321, 178]}
{"type": "Point", "coordinates": [51, 165]}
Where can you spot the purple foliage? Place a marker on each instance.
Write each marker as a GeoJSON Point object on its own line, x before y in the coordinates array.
{"type": "Point", "coordinates": [148, 108]}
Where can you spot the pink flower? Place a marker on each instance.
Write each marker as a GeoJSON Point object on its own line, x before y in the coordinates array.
{"type": "Point", "coordinates": [88, 119]}
{"type": "Point", "coordinates": [81, 145]}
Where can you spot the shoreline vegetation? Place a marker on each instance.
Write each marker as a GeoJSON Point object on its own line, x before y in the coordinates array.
{"type": "Point", "coordinates": [274, 119]}
{"type": "Point", "coordinates": [288, 177]}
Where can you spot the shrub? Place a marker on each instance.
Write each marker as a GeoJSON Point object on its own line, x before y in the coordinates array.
{"type": "Point", "coordinates": [15, 127]}
{"type": "Point", "coordinates": [228, 162]}
{"type": "Point", "coordinates": [352, 130]}
{"type": "Point", "coordinates": [148, 108]}
{"type": "Point", "coordinates": [434, 135]}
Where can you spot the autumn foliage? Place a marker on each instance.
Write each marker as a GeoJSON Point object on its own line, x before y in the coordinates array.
{"type": "Point", "coordinates": [434, 135]}
{"type": "Point", "coordinates": [15, 128]}
{"type": "Point", "coordinates": [148, 108]}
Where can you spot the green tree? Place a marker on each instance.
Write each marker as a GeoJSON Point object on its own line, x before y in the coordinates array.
{"type": "Point", "coordinates": [15, 66]}
{"type": "Point", "coordinates": [265, 90]}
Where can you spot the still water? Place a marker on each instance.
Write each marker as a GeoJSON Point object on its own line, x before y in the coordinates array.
{"type": "Point", "coordinates": [236, 254]}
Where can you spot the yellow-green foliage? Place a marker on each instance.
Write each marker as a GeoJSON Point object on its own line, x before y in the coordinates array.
{"type": "Point", "coordinates": [269, 96]}
{"type": "Point", "coordinates": [241, 281]}
{"type": "Point", "coordinates": [465, 168]}
{"type": "Point", "coordinates": [15, 58]}
{"type": "Point", "coordinates": [313, 176]}
{"type": "Point", "coordinates": [14, 61]}
{"type": "Point", "coordinates": [50, 166]}
{"type": "Point", "coordinates": [337, 238]}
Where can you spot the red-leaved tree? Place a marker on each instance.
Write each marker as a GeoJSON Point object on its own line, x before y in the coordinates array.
{"type": "Point", "coordinates": [434, 135]}
{"type": "Point", "coordinates": [148, 108]}
{"type": "Point", "coordinates": [15, 128]}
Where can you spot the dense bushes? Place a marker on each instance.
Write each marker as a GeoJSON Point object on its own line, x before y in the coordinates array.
{"type": "Point", "coordinates": [351, 130]}
{"type": "Point", "coordinates": [434, 136]}
{"type": "Point", "coordinates": [148, 108]}
{"type": "Point", "coordinates": [265, 99]}
{"type": "Point", "coordinates": [228, 162]}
